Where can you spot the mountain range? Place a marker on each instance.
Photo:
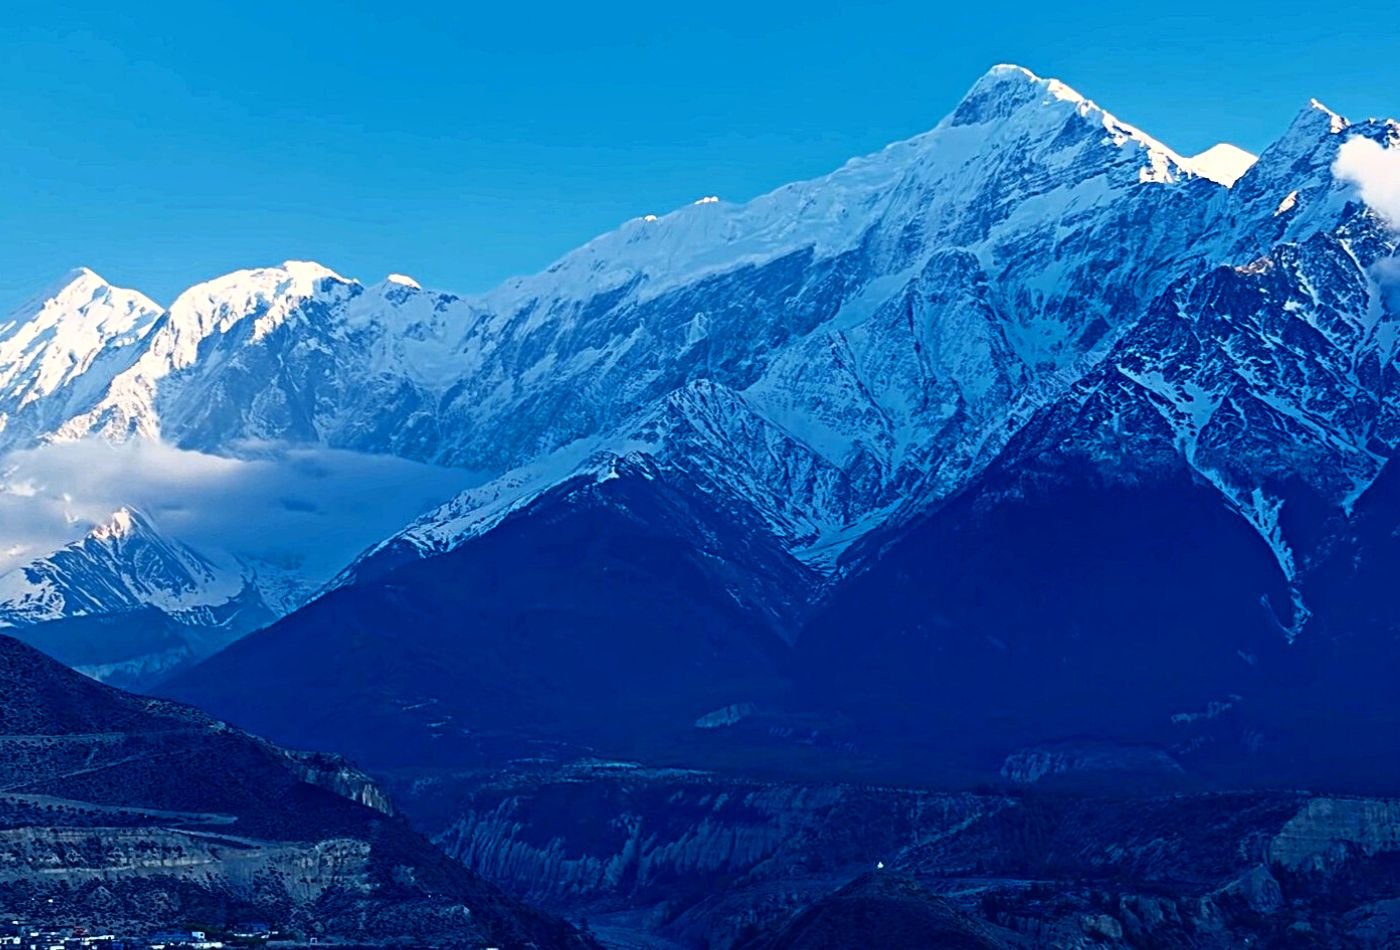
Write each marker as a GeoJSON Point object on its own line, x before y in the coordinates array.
{"type": "Point", "coordinates": [1026, 413]}
{"type": "Point", "coordinates": [1026, 457]}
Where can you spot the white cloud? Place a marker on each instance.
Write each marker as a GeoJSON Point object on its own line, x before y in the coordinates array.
{"type": "Point", "coordinates": [1375, 171]}
{"type": "Point", "coordinates": [1387, 276]}
{"type": "Point", "coordinates": [308, 507]}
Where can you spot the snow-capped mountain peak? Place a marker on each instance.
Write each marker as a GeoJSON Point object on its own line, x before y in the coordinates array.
{"type": "Point", "coordinates": [1334, 121]}
{"type": "Point", "coordinates": [1010, 121]}
{"type": "Point", "coordinates": [74, 288]}
{"type": "Point", "coordinates": [1007, 90]}
{"type": "Point", "coordinates": [207, 324]}
{"type": "Point", "coordinates": [266, 294]}
{"type": "Point", "coordinates": [60, 348]}
{"type": "Point", "coordinates": [144, 603]}
{"type": "Point", "coordinates": [123, 563]}
{"type": "Point", "coordinates": [1008, 80]}
{"type": "Point", "coordinates": [81, 310]}
{"type": "Point", "coordinates": [124, 523]}
{"type": "Point", "coordinates": [1310, 130]}
{"type": "Point", "coordinates": [1222, 163]}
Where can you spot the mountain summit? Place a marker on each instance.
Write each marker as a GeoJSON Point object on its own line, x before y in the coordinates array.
{"type": "Point", "coordinates": [1223, 163]}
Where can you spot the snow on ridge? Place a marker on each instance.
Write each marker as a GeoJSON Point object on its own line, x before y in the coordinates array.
{"type": "Point", "coordinates": [75, 291]}
{"type": "Point", "coordinates": [53, 340]}
{"type": "Point", "coordinates": [1222, 163]}
{"type": "Point", "coordinates": [251, 285]}
{"type": "Point", "coordinates": [1311, 126]}
{"type": "Point", "coordinates": [78, 280]}
{"type": "Point", "coordinates": [1013, 73]}
{"type": "Point", "coordinates": [828, 214]}
{"type": "Point", "coordinates": [1163, 163]}
{"type": "Point", "coordinates": [1336, 121]}
{"type": "Point", "coordinates": [266, 295]}
{"type": "Point", "coordinates": [97, 573]}
{"type": "Point", "coordinates": [123, 524]}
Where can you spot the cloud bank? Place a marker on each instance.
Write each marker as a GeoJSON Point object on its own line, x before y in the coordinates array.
{"type": "Point", "coordinates": [311, 509]}
{"type": "Point", "coordinates": [1375, 171]}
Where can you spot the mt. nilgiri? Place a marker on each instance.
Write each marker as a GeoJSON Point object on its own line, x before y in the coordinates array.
{"type": "Point", "coordinates": [1026, 453]}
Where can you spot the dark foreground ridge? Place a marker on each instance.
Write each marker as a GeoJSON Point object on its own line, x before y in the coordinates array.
{"type": "Point", "coordinates": [882, 910]}
{"type": "Point", "coordinates": [137, 815]}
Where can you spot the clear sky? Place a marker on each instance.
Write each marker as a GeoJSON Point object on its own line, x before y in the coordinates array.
{"type": "Point", "coordinates": [161, 144]}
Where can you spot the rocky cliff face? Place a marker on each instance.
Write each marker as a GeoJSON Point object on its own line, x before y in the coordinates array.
{"type": "Point", "coordinates": [1330, 833]}
{"type": "Point", "coordinates": [700, 857]}
{"type": "Point", "coordinates": [336, 775]}
{"type": "Point", "coordinates": [658, 829]}
{"type": "Point", "coordinates": [158, 866]}
{"type": "Point", "coordinates": [709, 861]}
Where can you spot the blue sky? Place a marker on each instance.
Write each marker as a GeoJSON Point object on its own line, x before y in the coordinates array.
{"type": "Point", "coordinates": [162, 144]}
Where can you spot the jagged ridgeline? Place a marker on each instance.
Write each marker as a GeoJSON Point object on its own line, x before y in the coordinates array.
{"type": "Point", "coordinates": [924, 464]}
